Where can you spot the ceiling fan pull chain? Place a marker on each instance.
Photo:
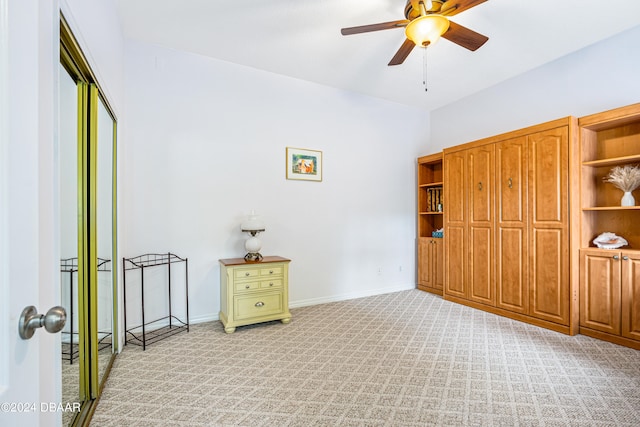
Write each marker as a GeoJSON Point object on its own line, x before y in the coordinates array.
{"type": "Point", "coordinates": [424, 69]}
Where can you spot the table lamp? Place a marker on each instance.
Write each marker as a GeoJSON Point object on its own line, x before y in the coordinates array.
{"type": "Point", "coordinates": [253, 225]}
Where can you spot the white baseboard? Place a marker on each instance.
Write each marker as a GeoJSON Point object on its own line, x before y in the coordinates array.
{"type": "Point", "coordinates": [321, 300]}
{"type": "Point", "coordinates": [204, 319]}
{"type": "Point", "coordinates": [351, 295]}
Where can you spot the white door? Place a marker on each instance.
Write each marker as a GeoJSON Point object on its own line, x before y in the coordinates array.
{"type": "Point", "coordinates": [29, 369]}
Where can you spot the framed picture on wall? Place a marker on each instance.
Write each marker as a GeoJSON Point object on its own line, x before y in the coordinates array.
{"type": "Point", "coordinates": [303, 164]}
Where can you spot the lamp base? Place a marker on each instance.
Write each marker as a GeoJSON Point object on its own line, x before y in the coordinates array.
{"type": "Point", "coordinates": [253, 256]}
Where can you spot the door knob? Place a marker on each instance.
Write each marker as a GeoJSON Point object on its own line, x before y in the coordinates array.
{"type": "Point", "coordinates": [30, 320]}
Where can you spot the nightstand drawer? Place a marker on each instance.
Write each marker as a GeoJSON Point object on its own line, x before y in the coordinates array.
{"type": "Point", "coordinates": [271, 284]}
{"type": "Point", "coordinates": [272, 271]}
{"type": "Point", "coordinates": [246, 273]}
{"type": "Point", "coordinates": [247, 286]}
{"type": "Point", "coordinates": [258, 305]}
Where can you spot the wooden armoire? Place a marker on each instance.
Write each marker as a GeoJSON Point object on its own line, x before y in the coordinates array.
{"type": "Point", "coordinates": [508, 225]}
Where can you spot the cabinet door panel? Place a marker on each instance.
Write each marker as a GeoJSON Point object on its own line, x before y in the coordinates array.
{"type": "Point", "coordinates": [548, 225]}
{"type": "Point", "coordinates": [454, 259]}
{"type": "Point", "coordinates": [600, 291]}
{"type": "Point", "coordinates": [480, 164]}
{"type": "Point", "coordinates": [511, 180]}
{"type": "Point", "coordinates": [631, 295]}
{"type": "Point", "coordinates": [424, 267]}
{"type": "Point", "coordinates": [511, 270]}
{"type": "Point", "coordinates": [480, 265]}
{"type": "Point", "coordinates": [455, 192]}
{"type": "Point", "coordinates": [549, 294]}
{"type": "Point", "coordinates": [549, 173]}
{"type": "Point", "coordinates": [455, 217]}
{"type": "Point", "coordinates": [480, 227]}
{"type": "Point", "coordinates": [511, 226]}
{"type": "Point", "coordinates": [438, 264]}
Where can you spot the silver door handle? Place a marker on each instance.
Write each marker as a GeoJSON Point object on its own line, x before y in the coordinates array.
{"type": "Point", "coordinates": [30, 320]}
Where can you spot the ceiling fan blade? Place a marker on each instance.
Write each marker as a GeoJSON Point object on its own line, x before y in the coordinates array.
{"type": "Point", "coordinates": [402, 53]}
{"type": "Point", "coordinates": [464, 37]}
{"type": "Point", "coordinates": [374, 27]}
{"type": "Point", "coordinates": [453, 7]}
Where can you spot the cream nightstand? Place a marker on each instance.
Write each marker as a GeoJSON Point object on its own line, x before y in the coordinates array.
{"type": "Point", "coordinates": [253, 291]}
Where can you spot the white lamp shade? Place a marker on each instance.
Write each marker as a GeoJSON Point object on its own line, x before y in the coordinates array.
{"type": "Point", "coordinates": [252, 223]}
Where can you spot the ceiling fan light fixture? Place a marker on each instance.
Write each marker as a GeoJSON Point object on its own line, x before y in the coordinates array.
{"type": "Point", "coordinates": [426, 29]}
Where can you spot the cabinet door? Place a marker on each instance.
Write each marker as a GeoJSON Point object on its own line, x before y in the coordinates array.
{"type": "Point", "coordinates": [437, 254]}
{"type": "Point", "coordinates": [480, 276]}
{"type": "Point", "coordinates": [600, 290]}
{"type": "Point", "coordinates": [511, 226]}
{"type": "Point", "coordinates": [455, 224]}
{"type": "Point", "coordinates": [424, 262]}
{"type": "Point", "coordinates": [548, 225]}
{"type": "Point", "coordinates": [631, 295]}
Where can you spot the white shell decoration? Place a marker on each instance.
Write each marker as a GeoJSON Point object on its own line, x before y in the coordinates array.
{"type": "Point", "coordinates": [609, 241]}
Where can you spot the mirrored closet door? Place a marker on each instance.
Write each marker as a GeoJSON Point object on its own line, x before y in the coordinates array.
{"type": "Point", "coordinates": [105, 238]}
{"type": "Point", "coordinates": [68, 214]}
{"type": "Point", "coordinates": [88, 267]}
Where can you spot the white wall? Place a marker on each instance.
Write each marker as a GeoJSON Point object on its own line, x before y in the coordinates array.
{"type": "Point", "coordinates": [597, 78]}
{"type": "Point", "coordinates": [205, 144]}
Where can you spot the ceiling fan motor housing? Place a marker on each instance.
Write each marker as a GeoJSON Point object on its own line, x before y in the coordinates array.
{"type": "Point", "coordinates": [413, 10]}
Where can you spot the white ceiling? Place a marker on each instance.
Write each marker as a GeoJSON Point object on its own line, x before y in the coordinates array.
{"type": "Point", "coordinates": [301, 39]}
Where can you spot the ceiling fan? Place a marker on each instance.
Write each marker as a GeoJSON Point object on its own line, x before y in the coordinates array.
{"type": "Point", "coordinates": [426, 21]}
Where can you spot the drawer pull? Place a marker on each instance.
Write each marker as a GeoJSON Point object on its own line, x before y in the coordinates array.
{"type": "Point", "coordinates": [271, 284]}
{"type": "Point", "coordinates": [247, 274]}
{"type": "Point", "coordinates": [270, 271]}
{"type": "Point", "coordinates": [247, 286]}
{"type": "Point", "coordinates": [510, 183]}
{"type": "Point", "coordinates": [259, 304]}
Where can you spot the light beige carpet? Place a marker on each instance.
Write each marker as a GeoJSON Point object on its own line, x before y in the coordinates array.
{"type": "Point", "coordinates": [402, 359]}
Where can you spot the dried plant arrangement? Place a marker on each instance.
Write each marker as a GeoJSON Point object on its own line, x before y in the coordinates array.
{"type": "Point", "coordinates": [626, 178]}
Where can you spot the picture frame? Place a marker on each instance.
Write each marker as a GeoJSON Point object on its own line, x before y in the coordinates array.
{"type": "Point", "coordinates": [304, 164]}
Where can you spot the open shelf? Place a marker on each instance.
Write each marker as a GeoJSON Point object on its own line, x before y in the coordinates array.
{"type": "Point", "coordinates": [430, 194]}
{"type": "Point", "coordinates": [608, 139]}
{"type": "Point", "coordinates": [612, 208]}
{"type": "Point", "coordinates": [431, 184]}
{"type": "Point", "coordinates": [613, 161]}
